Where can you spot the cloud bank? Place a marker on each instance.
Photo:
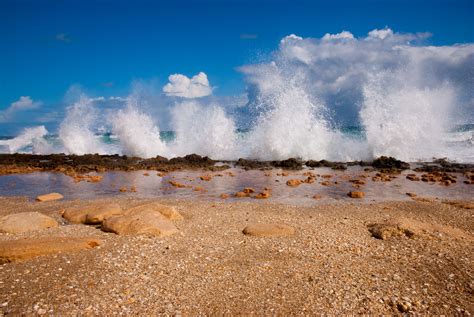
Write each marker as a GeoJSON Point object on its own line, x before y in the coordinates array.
{"type": "Point", "coordinates": [22, 104]}
{"type": "Point", "coordinates": [182, 86]}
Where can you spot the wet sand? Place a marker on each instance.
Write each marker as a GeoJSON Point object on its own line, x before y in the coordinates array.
{"type": "Point", "coordinates": [331, 265]}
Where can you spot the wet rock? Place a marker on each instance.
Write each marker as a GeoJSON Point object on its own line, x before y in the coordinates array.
{"type": "Point", "coordinates": [123, 189]}
{"type": "Point", "coordinates": [324, 163]}
{"type": "Point", "coordinates": [325, 183]}
{"type": "Point", "coordinates": [411, 194]}
{"type": "Point", "coordinates": [241, 194]}
{"type": "Point", "coordinates": [199, 189]}
{"type": "Point", "coordinates": [49, 197]}
{"type": "Point", "coordinates": [251, 164]}
{"type": "Point", "coordinates": [290, 164]}
{"type": "Point", "coordinates": [206, 178]}
{"type": "Point", "coordinates": [389, 163]}
{"type": "Point", "coordinates": [357, 181]}
{"type": "Point", "coordinates": [141, 222]}
{"type": "Point", "coordinates": [356, 194]}
{"type": "Point", "coordinates": [17, 250]}
{"type": "Point", "coordinates": [310, 180]}
{"type": "Point", "coordinates": [317, 197]}
{"type": "Point", "coordinates": [263, 195]}
{"type": "Point", "coordinates": [249, 190]}
{"type": "Point", "coordinates": [25, 222]}
{"type": "Point", "coordinates": [224, 196]}
{"type": "Point", "coordinates": [293, 182]}
{"type": "Point", "coordinates": [177, 184]}
{"type": "Point", "coordinates": [413, 177]}
{"type": "Point", "coordinates": [268, 230]}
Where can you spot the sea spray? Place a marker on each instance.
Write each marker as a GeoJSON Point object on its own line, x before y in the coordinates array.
{"type": "Point", "coordinates": [137, 133]}
{"type": "Point", "coordinates": [404, 99]}
{"type": "Point", "coordinates": [29, 138]}
{"type": "Point", "coordinates": [76, 131]}
{"type": "Point", "coordinates": [204, 130]}
{"type": "Point", "coordinates": [404, 121]}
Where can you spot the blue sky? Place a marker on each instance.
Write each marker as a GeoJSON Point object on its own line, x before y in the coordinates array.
{"type": "Point", "coordinates": [47, 46]}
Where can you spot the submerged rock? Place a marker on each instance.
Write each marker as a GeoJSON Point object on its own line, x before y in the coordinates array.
{"type": "Point", "coordinates": [24, 249]}
{"type": "Point", "coordinates": [268, 230]}
{"type": "Point", "coordinates": [293, 182]}
{"type": "Point", "coordinates": [356, 194]}
{"type": "Point", "coordinates": [25, 222]}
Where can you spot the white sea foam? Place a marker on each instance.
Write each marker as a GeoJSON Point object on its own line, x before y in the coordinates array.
{"type": "Point", "coordinates": [29, 137]}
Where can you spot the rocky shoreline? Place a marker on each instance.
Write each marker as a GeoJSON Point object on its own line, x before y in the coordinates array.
{"type": "Point", "coordinates": [81, 164]}
{"type": "Point", "coordinates": [179, 257]}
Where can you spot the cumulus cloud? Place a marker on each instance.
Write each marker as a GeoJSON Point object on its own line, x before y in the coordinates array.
{"type": "Point", "coordinates": [338, 36]}
{"type": "Point", "coordinates": [182, 86]}
{"type": "Point", "coordinates": [22, 104]}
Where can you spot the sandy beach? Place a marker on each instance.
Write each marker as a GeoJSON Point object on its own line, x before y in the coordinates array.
{"type": "Point", "coordinates": [332, 264]}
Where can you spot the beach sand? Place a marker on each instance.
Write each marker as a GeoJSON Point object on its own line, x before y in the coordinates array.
{"type": "Point", "coordinates": [331, 265]}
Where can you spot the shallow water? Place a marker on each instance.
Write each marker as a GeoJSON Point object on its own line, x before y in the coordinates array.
{"type": "Point", "coordinates": [154, 186]}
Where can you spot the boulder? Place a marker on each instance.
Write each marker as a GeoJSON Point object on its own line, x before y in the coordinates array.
{"type": "Point", "coordinates": [169, 212]}
{"type": "Point", "coordinates": [293, 182]}
{"type": "Point", "coordinates": [146, 221]}
{"type": "Point", "coordinates": [26, 221]}
{"type": "Point", "coordinates": [355, 194]}
{"type": "Point", "coordinates": [263, 195]}
{"type": "Point", "coordinates": [24, 249]}
{"type": "Point", "coordinates": [268, 230]}
{"type": "Point", "coordinates": [92, 213]}
{"type": "Point", "coordinates": [49, 197]}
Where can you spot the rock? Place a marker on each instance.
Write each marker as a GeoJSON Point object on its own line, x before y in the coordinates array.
{"type": "Point", "coordinates": [199, 189]}
{"type": "Point", "coordinates": [224, 196]}
{"type": "Point", "coordinates": [268, 230]}
{"type": "Point", "coordinates": [94, 213]}
{"type": "Point", "coordinates": [177, 184]}
{"type": "Point", "coordinates": [411, 194]}
{"type": "Point", "coordinates": [123, 189]}
{"type": "Point", "coordinates": [356, 194]}
{"type": "Point", "coordinates": [249, 190]}
{"type": "Point", "coordinates": [145, 221]}
{"type": "Point", "coordinates": [49, 197]}
{"type": "Point", "coordinates": [241, 194]}
{"type": "Point", "coordinates": [399, 227]}
{"type": "Point", "coordinates": [357, 181]}
{"type": "Point", "coordinates": [325, 183]}
{"type": "Point", "coordinates": [317, 197]}
{"type": "Point", "coordinates": [389, 163]}
{"type": "Point", "coordinates": [24, 249]}
{"type": "Point", "coordinates": [293, 182]}
{"type": "Point", "coordinates": [263, 195]}
{"type": "Point", "coordinates": [413, 177]}
{"type": "Point", "coordinates": [169, 212]}
{"type": "Point", "coordinates": [206, 178]}
{"type": "Point", "coordinates": [26, 221]}
{"type": "Point", "coordinates": [310, 180]}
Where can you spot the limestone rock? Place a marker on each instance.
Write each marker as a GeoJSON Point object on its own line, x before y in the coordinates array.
{"type": "Point", "coordinates": [293, 182]}
{"type": "Point", "coordinates": [355, 194]}
{"type": "Point", "coordinates": [26, 221]}
{"type": "Point", "coordinates": [268, 230]}
{"type": "Point", "coordinates": [169, 212]}
{"type": "Point", "coordinates": [263, 195]}
{"type": "Point", "coordinates": [49, 197]}
{"type": "Point", "coordinates": [92, 214]}
{"type": "Point", "coordinates": [146, 221]}
{"type": "Point", "coordinates": [24, 249]}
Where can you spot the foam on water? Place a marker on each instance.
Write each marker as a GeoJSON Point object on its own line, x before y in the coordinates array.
{"type": "Point", "coordinates": [405, 97]}
{"type": "Point", "coordinates": [29, 137]}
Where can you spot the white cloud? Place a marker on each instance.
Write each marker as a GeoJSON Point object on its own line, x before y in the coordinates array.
{"type": "Point", "coordinates": [380, 34]}
{"type": "Point", "coordinates": [338, 36]}
{"type": "Point", "coordinates": [290, 38]}
{"type": "Point", "coordinates": [22, 104]}
{"type": "Point", "coordinates": [182, 86]}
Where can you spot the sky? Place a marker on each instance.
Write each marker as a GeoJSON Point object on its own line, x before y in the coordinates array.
{"type": "Point", "coordinates": [105, 47]}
